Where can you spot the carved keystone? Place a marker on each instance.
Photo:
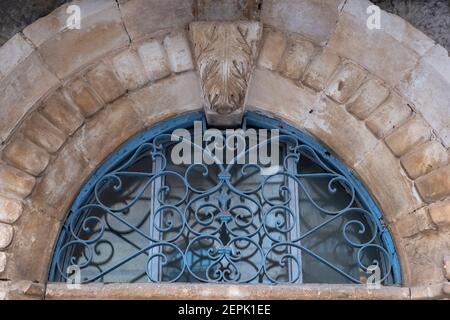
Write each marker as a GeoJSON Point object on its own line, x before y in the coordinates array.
{"type": "Point", "coordinates": [225, 54]}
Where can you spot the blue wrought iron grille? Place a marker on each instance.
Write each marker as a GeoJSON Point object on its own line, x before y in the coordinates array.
{"type": "Point", "coordinates": [142, 218]}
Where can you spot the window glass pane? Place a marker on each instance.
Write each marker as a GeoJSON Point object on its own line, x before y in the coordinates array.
{"type": "Point", "coordinates": [149, 219]}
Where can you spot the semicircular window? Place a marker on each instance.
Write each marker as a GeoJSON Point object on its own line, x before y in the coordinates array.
{"type": "Point", "coordinates": [263, 203]}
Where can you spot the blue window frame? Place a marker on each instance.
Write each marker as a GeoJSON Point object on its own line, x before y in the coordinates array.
{"type": "Point", "coordinates": [142, 218]}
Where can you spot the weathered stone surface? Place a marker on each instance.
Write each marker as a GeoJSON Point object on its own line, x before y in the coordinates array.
{"type": "Point", "coordinates": [178, 52]}
{"type": "Point", "coordinates": [273, 94]}
{"type": "Point", "coordinates": [392, 25]}
{"type": "Point", "coordinates": [2, 265]}
{"type": "Point", "coordinates": [25, 155]}
{"type": "Point", "coordinates": [345, 82]}
{"type": "Point", "coordinates": [218, 10]}
{"type": "Point", "coordinates": [435, 185]}
{"type": "Point", "coordinates": [154, 59]}
{"type": "Point", "coordinates": [297, 56]}
{"type": "Point", "coordinates": [99, 137]}
{"type": "Point", "coordinates": [84, 97]}
{"type": "Point", "coordinates": [414, 223]}
{"type": "Point", "coordinates": [105, 83]}
{"type": "Point", "coordinates": [352, 39]}
{"type": "Point", "coordinates": [429, 85]}
{"type": "Point", "coordinates": [144, 17]}
{"type": "Point", "coordinates": [62, 180]}
{"type": "Point", "coordinates": [351, 141]}
{"type": "Point", "coordinates": [426, 292]}
{"type": "Point", "coordinates": [390, 115]}
{"type": "Point", "coordinates": [66, 51]}
{"type": "Point", "coordinates": [206, 291]}
{"type": "Point", "coordinates": [440, 214]}
{"type": "Point", "coordinates": [24, 290]}
{"type": "Point", "coordinates": [21, 90]}
{"type": "Point", "coordinates": [62, 114]}
{"type": "Point", "coordinates": [320, 70]}
{"type": "Point", "coordinates": [10, 210]}
{"type": "Point", "coordinates": [272, 50]}
{"type": "Point", "coordinates": [447, 267]}
{"type": "Point", "coordinates": [168, 97]}
{"type": "Point", "coordinates": [225, 55]}
{"type": "Point", "coordinates": [15, 183]}
{"type": "Point", "coordinates": [425, 253]}
{"type": "Point", "coordinates": [314, 19]}
{"type": "Point", "coordinates": [368, 97]}
{"type": "Point", "coordinates": [130, 69]}
{"type": "Point", "coordinates": [424, 159]}
{"type": "Point", "coordinates": [393, 191]}
{"type": "Point", "coordinates": [13, 52]}
{"type": "Point", "coordinates": [30, 253]}
{"type": "Point", "coordinates": [414, 132]}
{"type": "Point", "coordinates": [43, 133]}
{"type": "Point", "coordinates": [6, 235]}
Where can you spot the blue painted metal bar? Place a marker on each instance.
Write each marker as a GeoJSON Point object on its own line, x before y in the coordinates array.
{"type": "Point", "coordinates": [223, 233]}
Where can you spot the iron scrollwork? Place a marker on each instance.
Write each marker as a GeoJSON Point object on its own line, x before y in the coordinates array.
{"type": "Point", "coordinates": [209, 224]}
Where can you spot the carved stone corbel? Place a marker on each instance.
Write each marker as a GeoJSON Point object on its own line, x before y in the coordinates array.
{"type": "Point", "coordinates": [225, 53]}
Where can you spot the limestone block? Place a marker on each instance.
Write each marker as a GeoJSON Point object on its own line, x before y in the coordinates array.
{"type": "Point", "coordinates": [43, 133]}
{"type": "Point", "coordinates": [217, 10]}
{"type": "Point", "coordinates": [351, 141]}
{"type": "Point", "coordinates": [106, 131]}
{"type": "Point", "coordinates": [272, 51]}
{"type": "Point", "coordinates": [154, 59]}
{"type": "Point", "coordinates": [2, 265]}
{"type": "Point", "coordinates": [427, 292]}
{"type": "Point", "coordinates": [428, 87]}
{"type": "Point", "coordinates": [144, 17]}
{"type": "Point", "coordinates": [320, 70]}
{"type": "Point", "coordinates": [67, 51]}
{"type": "Point", "coordinates": [393, 191]}
{"type": "Point", "coordinates": [20, 90]}
{"type": "Point", "coordinates": [414, 132]}
{"type": "Point", "coordinates": [425, 254]}
{"type": "Point", "coordinates": [424, 159]}
{"type": "Point", "coordinates": [435, 185]}
{"type": "Point", "coordinates": [267, 89]}
{"type": "Point", "coordinates": [84, 98]}
{"type": "Point", "coordinates": [63, 179]}
{"type": "Point", "coordinates": [15, 183]}
{"type": "Point", "coordinates": [33, 245]}
{"type": "Point", "coordinates": [370, 48]}
{"type": "Point", "coordinates": [447, 267]}
{"type": "Point", "coordinates": [13, 52]}
{"type": "Point", "coordinates": [62, 114]}
{"type": "Point", "coordinates": [390, 115]}
{"type": "Point", "coordinates": [182, 91]}
{"type": "Point", "coordinates": [298, 54]}
{"type": "Point", "coordinates": [10, 210]}
{"type": "Point", "coordinates": [6, 235]}
{"type": "Point", "coordinates": [440, 214]}
{"type": "Point", "coordinates": [315, 19]}
{"type": "Point", "coordinates": [130, 69]}
{"type": "Point", "coordinates": [368, 97]}
{"type": "Point", "coordinates": [25, 155]}
{"type": "Point", "coordinates": [178, 52]}
{"type": "Point", "coordinates": [104, 82]}
{"type": "Point", "coordinates": [414, 223]}
{"type": "Point", "coordinates": [345, 82]}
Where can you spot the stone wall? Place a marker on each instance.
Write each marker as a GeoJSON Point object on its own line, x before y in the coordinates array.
{"type": "Point", "coordinates": [379, 99]}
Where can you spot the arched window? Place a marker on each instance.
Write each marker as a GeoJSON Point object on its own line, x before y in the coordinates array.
{"type": "Point", "coordinates": [145, 216]}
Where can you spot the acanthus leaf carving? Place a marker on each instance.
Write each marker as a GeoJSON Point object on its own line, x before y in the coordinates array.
{"type": "Point", "coordinates": [225, 53]}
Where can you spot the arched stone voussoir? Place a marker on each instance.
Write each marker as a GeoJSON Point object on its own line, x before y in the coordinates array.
{"type": "Point", "coordinates": [66, 50]}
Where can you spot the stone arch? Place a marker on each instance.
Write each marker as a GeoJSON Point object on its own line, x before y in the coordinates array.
{"type": "Point", "coordinates": [70, 98]}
